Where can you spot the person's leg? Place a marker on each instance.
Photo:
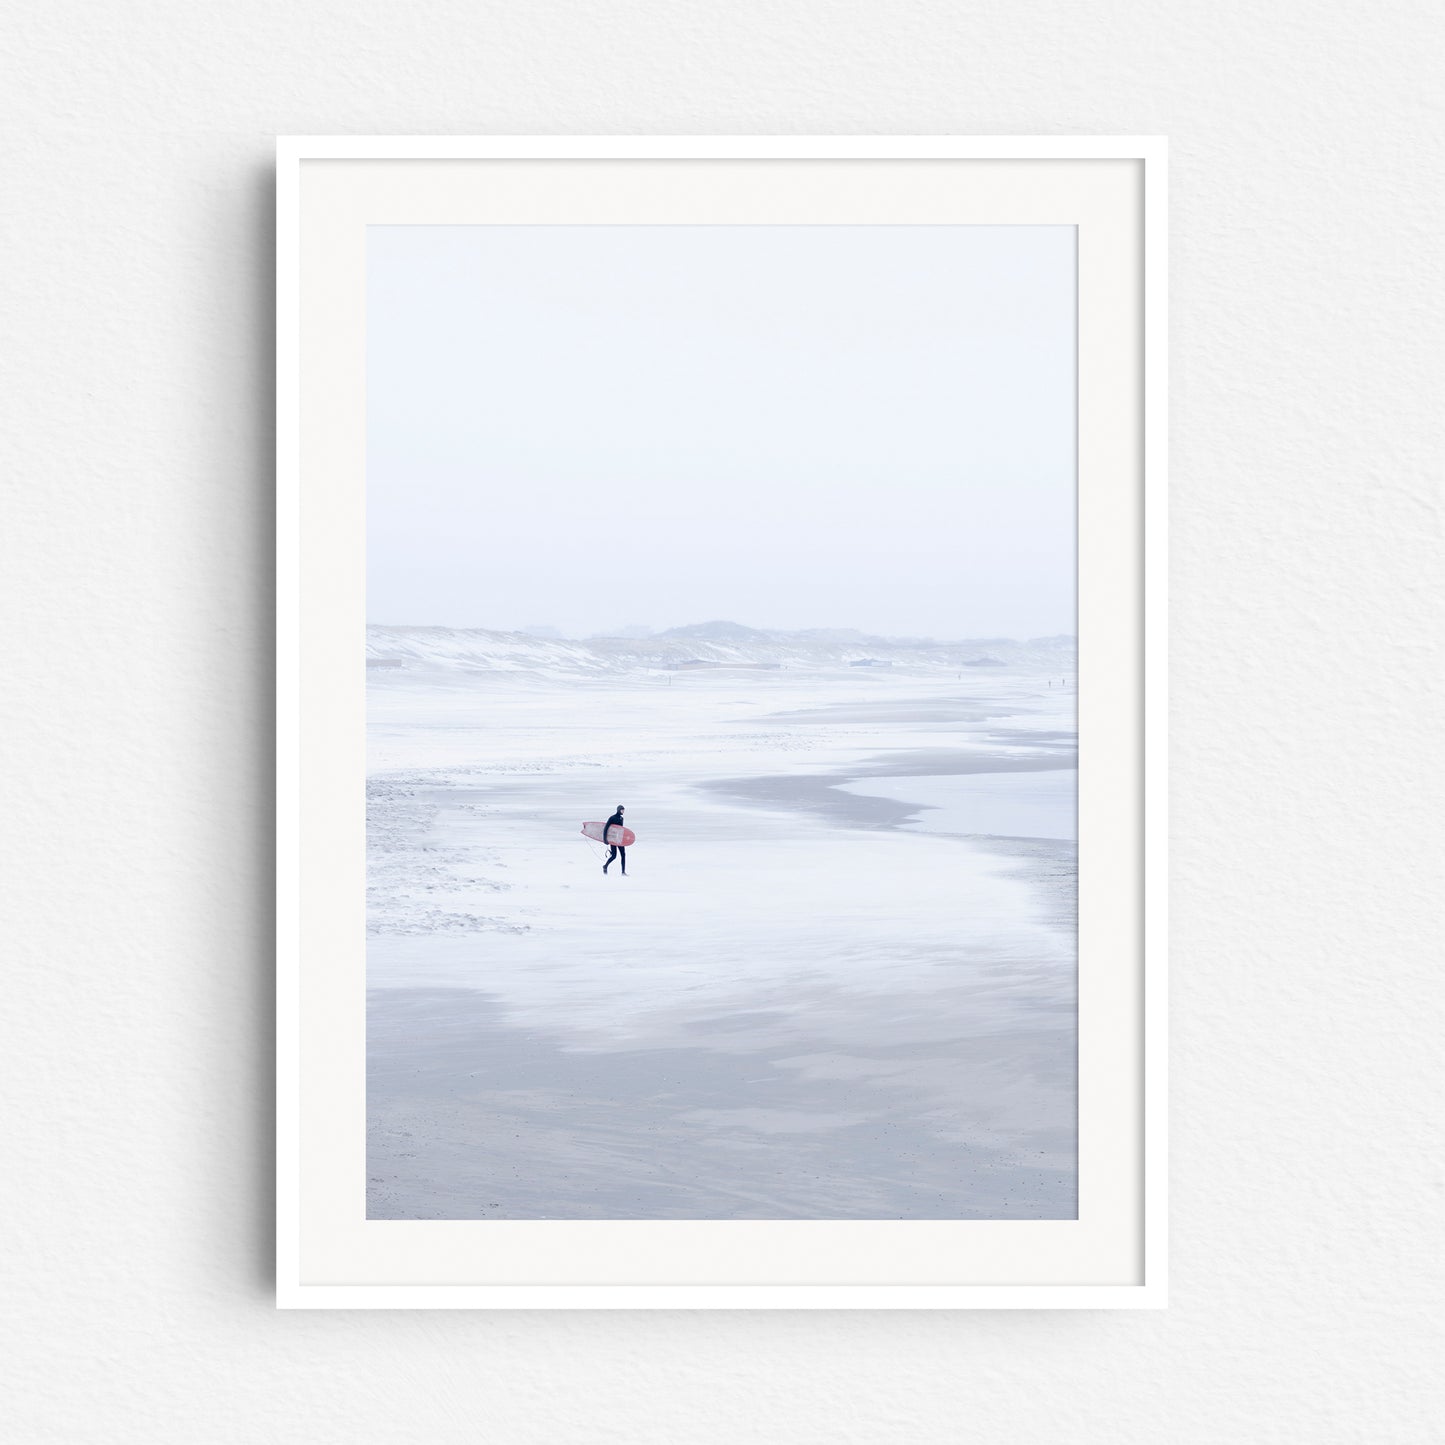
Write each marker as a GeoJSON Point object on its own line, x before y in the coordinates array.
{"type": "Point", "coordinates": [610, 857]}
{"type": "Point", "coordinates": [623, 853]}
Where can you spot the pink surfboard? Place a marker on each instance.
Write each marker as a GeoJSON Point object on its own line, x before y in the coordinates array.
{"type": "Point", "coordinates": [622, 837]}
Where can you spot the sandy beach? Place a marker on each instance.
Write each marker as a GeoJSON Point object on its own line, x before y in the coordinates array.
{"type": "Point", "coordinates": [838, 981]}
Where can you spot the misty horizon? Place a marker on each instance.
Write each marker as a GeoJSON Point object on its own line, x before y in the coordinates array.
{"type": "Point", "coordinates": [581, 426]}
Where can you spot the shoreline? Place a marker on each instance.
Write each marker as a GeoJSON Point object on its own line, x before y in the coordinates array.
{"type": "Point", "coordinates": [822, 792]}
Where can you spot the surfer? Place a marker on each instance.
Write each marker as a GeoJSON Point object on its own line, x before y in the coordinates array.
{"type": "Point", "coordinates": [615, 821]}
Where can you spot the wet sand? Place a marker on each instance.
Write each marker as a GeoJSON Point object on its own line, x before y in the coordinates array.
{"type": "Point", "coordinates": [474, 1118]}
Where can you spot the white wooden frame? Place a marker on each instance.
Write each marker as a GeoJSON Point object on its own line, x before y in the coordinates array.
{"type": "Point", "coordinates": [294, 1290]}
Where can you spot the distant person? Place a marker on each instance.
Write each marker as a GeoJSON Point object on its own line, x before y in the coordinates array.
{"type": "Point", "coordinates": [617, 850]}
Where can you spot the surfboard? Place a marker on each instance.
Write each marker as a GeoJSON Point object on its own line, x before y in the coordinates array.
{"type": "Point", "coordinates": [622, 837]}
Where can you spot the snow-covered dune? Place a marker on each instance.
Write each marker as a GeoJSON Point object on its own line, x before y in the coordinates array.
{"type": "Point", "coordinates": [719, 644]}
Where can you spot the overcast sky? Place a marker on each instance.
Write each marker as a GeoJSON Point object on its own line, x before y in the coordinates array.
{"type": "Point", "coordinates": [586, 427]}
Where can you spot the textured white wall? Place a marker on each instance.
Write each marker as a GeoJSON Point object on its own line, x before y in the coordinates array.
{"type": "Point", "coordinates": [135, 458]}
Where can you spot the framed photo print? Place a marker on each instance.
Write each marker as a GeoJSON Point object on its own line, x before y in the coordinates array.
{"type": "Point", "coordinates": [720, 705]}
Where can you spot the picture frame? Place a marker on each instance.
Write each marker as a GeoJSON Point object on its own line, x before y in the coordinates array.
{"type": "Point", "coordinates": [1113, 189]}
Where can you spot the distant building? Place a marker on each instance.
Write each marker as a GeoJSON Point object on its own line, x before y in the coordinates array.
{"type": "Point", "coordinates": [871, 662]}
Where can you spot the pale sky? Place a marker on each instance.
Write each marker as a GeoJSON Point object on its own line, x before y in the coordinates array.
{"type": "Point", "coordinates": [586, 427]}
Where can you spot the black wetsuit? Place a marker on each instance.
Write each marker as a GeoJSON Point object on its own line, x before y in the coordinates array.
{"type": "Point", "coordinates": [614, 821]}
